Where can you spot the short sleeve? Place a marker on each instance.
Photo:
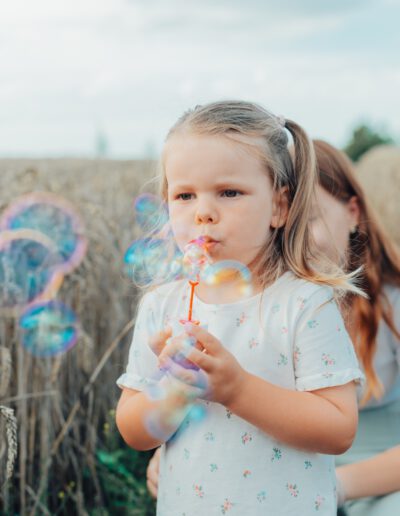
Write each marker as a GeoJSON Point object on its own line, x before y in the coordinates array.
{"type": "Point", "coordinates": [142, 362]}
{"type": "Point", "coordinates": [323, 353]}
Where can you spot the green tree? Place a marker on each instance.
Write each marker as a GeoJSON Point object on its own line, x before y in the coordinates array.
{"type": "Point", "coordinates": [364, 138]}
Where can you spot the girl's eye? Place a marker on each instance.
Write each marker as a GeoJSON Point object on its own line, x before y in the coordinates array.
{"type": "Point", "coordinates": [230, 193]}
{"type": "Point", "coordinates": [184, 196]}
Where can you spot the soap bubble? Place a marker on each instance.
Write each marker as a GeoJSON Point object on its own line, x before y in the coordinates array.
{"type": "Point", "coordinates": [231, 276]}
{"type": "Point", "coordinates": [150, 211]}
{"type": "Point", "coordinates": [152, 260]}
{"type": "Point", "coordinates": [54, 217]}
{"type": "Point", "coordinates": [48, 328]}
{"type": "Point", "coordinates": [28, 268]}
{"type": "Point", "coordinates": [195, 258]}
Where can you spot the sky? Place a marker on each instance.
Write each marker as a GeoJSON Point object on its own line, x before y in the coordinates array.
{"type": "Point", "coordinates": [83, 77]}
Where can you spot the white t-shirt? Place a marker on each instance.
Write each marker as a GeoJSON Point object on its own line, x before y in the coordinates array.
{"type": "Point", "coordinates": [292, 335]}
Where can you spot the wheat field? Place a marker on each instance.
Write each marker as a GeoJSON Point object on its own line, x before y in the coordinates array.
{"type": "Point", "coordinates": [62, 403]}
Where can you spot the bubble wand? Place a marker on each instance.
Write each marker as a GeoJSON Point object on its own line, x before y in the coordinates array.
{"type": "Point", "coordinates": [195, 258]}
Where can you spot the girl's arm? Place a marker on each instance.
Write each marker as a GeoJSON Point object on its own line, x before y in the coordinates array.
{"type": "Point", "coordinates": [376, 476]}
{"type": "Point", "coordinates": [323, 420]}
{"type": "Point", "coordinates": [136, 411]}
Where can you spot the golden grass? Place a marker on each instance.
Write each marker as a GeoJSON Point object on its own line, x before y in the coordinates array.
{"type": "Point", "coordinates": [379, 173]}
{"type": "Point", "coordinates": [61, 403]}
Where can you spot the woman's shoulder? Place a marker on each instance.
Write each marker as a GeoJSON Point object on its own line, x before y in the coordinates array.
{"type": "Point", "coordinates": [392, 293]}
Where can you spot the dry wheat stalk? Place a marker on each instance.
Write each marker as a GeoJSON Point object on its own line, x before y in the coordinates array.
{"type": "Point", "coordinates": [5, 369]}
{"type": "Point", "coordinates": [11, 433]}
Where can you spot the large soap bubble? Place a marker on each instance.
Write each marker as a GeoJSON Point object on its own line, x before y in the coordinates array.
{"type": "Point", "coordinates": [28, 268]}
{"type": "Point", "coordinates": [54, 217]}
{"type": "Point", "coordinates": [152, 260]}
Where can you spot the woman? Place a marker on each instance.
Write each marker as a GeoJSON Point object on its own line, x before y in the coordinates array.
{"type": "Point", "coordinates": [346, 230]}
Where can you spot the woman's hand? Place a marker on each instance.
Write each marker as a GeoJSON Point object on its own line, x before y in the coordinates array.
{"type": "Point", "coordinates": [153, 472]}
{"type": "Point", "coordinates": [219, 376]}
{"type": "Point", "coordinates": [375, 476]}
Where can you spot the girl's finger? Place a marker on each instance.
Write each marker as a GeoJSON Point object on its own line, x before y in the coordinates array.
{"type": "Point", "coordinates": [176, 349]}
{"type": "Point", "coordinates": [201, 359]}
{"type": "Point", "coordinates": [157, 341]}
{"type": "Point", "coordinates": [172, 348]}
{"type": "Point", "coordinates": [208, 341]}
{"type": "Point", "coordinates": [190, 377]}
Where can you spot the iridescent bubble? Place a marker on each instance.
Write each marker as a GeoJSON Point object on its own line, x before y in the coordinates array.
{"type": "Point", "coordinates": [54, 217]}
{"type": "Point", "coordinates": [151, 212]}
{"type": "Point", "coordinates": [195, 258]}
{"type": "Point", "coordinates": [28, 268]}
{"type": "Point", "coordinates": [48, 329]}
{"type": "Point", "coordinates": [152, 260]}
{"type": "Point", "coordinates": [231, 276]}
{"type": "Point", "coordinates": [188, 342]}
{"type": "Point", "coordinates": [197, 412]}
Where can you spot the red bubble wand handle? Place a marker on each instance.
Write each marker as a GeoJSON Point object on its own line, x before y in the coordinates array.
{"type": "Point", "coordinates": [193, 285]}
{"type": "Point", "coordinates": [195, 257]}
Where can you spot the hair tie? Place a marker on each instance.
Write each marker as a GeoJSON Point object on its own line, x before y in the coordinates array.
{"type": "Point", "coordinates": [281, 121]}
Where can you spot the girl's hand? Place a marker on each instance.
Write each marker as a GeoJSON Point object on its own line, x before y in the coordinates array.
{"type": "Point", "coordinates": [157, 342]}
{"type": "Point", "coordinates": [220, 376]}
{"type": "Point", "coordinates": [153, 472]}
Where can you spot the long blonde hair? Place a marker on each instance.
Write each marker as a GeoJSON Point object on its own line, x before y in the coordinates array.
{"type": "Point", "coordinates": [369, 247]}
{"type": "Point", "coordinates": [290, 247]}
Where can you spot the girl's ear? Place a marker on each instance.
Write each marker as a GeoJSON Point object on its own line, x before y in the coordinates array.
{"type": "Point", "coordinates": [353, 208]}
{"type": "Point", "coordinates": [280, 207]}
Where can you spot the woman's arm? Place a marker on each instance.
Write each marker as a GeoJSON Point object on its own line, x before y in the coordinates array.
{"type": "Point", "coordinates": [153, 473]}
{"type": "Point", "coordinates": [376, 476]}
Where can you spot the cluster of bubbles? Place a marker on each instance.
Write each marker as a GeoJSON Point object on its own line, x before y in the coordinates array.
{"type": "Point", "coordinates": [41, 240]}
{"type": "Point", "coordinates": [155, 259]}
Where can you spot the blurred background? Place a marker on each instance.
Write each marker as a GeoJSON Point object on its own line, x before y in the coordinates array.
{"type": "Point", "coordinates": [88, 90]}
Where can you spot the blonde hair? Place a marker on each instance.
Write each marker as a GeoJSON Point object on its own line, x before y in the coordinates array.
{"type": "Point", "coordinates": [371, 247]}
{"type": "Point", "coordinates": [290, 247]}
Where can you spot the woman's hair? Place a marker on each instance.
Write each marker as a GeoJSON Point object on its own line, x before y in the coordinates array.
{"type": "Point", "coordinates": [369, 247]}
{"type": "Point", "coordinates": [290, 247]}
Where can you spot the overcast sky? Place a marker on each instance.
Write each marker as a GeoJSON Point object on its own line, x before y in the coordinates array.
{"type": "Point", "coordinates": [72, 69]}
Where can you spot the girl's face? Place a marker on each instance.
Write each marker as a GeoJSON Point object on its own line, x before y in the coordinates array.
{"type": "Point", "coordinates": [332, 221]}
{"type": "Point", "coordinates": [219, 190]}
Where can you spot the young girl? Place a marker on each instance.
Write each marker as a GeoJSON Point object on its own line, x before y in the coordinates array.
{"type": "Point", "coordinates": [280, 368]}
{"type": "Point", "coordinates": [345, 228]}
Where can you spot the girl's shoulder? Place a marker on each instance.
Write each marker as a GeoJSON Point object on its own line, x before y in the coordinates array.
{"type": "Point", "coordinates": [291, 286]}
{"type": "Point", "coordinates": [164, 292]}
{"type": "Point", "coordinates": [297, 297]}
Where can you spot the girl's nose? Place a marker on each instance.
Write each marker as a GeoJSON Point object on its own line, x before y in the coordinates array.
{"type": "Point", "coordinates": [206, 214]}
